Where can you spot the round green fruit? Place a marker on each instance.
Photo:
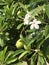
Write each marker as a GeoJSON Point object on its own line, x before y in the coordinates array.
{"type": "Point", "coordinates": [19, 44]}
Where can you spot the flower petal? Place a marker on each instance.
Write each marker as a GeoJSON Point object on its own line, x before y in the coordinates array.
{"type": "Point", "coordinates": [26, 22]}
{"type": "Point", "coordinates": [27, 16]}
{"type": "Point", "coordinates": [32, 26]}
{"type": "Point", "coordinates": [34, 20]}
{"type": "Point", "coordinates": [31, 22]}
{"type": "Point", "coordinates": [36, 26]}
{"type": "Point", "coordinates": [38, 22]}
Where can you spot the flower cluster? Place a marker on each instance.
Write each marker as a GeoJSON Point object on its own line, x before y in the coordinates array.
{"type": "Point", "coordinates": [33, 24]}
{"type": "Point", "coordinates": [26, 19]}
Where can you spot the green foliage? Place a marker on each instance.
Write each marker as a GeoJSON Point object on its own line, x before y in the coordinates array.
{"type": "Point", "coordinates": [41, 61]}
{"type": "Point", "coordinates": [5, 59]}
{"type": "Point", "coordinates": [35, 50]}
{"type": "Point", "coordinates": [47, 9]}
{"type": "Point", "coordinates": [9, 57]}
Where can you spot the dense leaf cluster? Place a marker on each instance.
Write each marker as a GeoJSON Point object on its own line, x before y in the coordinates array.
{"type": "Point", "coordinates": [35, 50]}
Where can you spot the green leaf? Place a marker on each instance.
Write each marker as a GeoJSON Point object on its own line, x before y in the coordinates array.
{"type": "Point", "coordinates": [4, 51]}
{"type": "Point", "coordinates": [23, 39]}
{"type": "Point", "coordinates": [30, 31]}
{"type": "Point", "coordinates": [37, 11]}
{"type": "Point", "coordinates": [1, 18]}
{"type": "Point", "coordinates": [8, 55]}
{"type": "Point", "coordinates": [17, 52]}
{"type": "Point", "coordinates": [33, 59]}
{"type": "Point", "coordinates": [41, 60]}
{"type": "Point", "coordinates": [12, 54]}
{"type": "Point", "coordinates": [19, 26]}
{"type": "Point", "coordinates": [23, 54]}
{"type": "Point", "coordinates": [21, 14]}
{"type": "Point", "coordinates": [1, 4]}
{"type": "Point", "coordinates": [1, 42]}
{"type": "Point", "coordinates": [2, 54]}
{"type": "Point", "coordinates": [11, 60]}
{"type": "Point", "coordinates": [47, 9]}
{"type": "Point", "coordinates": [47, 52]}
{"type": "Point", "coordinates": [31, 42]}
{"type": "Point", "coordinates": [46, 31]}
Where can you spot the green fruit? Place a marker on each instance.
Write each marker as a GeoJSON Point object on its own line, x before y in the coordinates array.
{"type": "Point", "coordinates": [19, 44]}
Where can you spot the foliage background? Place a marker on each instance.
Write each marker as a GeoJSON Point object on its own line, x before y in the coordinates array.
{"type": "Point", "coordinates": [12, 14]}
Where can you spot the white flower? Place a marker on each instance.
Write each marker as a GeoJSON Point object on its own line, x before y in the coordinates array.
{"type": "Point", "coordinates": [27, 16]}
{"type": "Point", "coordinates": [26, 19]}
{"type": "Point", "coordinates": [34, 24]}
{"type": "Point", "coordinates": [26, 22]}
